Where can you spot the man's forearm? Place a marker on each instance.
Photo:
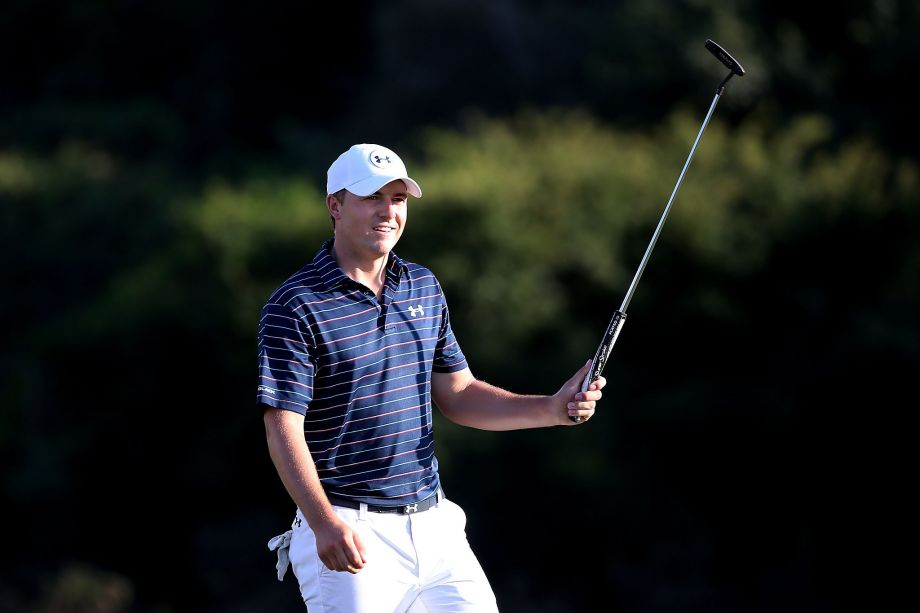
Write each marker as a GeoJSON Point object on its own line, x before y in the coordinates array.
{"type": "Point", "coordinates": [338, 546]}
{"type": "Point", "coordinates": [484, 406]}
{"type": "Point", "coordinates": [292, 460]}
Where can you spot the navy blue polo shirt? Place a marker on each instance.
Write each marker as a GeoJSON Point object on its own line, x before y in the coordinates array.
{"type": "Point", "coordinates": [359, 370]}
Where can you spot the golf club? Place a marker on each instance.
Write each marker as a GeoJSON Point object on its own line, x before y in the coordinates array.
{"type": "Point", "coordinates": [619, 316]}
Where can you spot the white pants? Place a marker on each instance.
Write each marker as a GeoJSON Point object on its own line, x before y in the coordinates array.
{"type": "Point", "coordinates": [415, 563]}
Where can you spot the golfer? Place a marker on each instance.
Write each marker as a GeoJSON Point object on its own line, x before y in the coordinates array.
{"type": "Point", "coordinates": [352, 350]}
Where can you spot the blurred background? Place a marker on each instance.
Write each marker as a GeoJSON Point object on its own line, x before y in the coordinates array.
{"type": "Point", "coordinates": [162, 168]}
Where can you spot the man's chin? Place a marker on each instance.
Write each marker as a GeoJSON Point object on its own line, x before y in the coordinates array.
{"type": "Point", "coordinates": [385, 244]}
{"type": "Point", "coordinates": [381, 248]}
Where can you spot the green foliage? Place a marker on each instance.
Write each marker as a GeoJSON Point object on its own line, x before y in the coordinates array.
{"type": "Point", "coordinates": [81, 589]}
{"type": "Point", "coordinates": [252, 231]}
{"type": "Point", "coordinates": [524, 218]}
{"type": "Point", "coordinates": [161, 172]}
{"type": "Point", "coordinates": [534, 224]}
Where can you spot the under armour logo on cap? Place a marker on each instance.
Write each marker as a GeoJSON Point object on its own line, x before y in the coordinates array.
{"type": "Point", "coordinates": [365, 168]}
{"type": "Point", "coordinates": [379, 159]}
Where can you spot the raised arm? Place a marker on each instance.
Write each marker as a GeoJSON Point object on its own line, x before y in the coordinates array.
{"type": "Point", "coordinates": [471, 402]}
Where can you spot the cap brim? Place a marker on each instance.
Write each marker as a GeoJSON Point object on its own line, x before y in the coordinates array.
{"type": "Point", "coordinates": [368, 186]}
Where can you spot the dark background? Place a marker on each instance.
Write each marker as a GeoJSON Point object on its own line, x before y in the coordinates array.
{"type": "Point", "coordinates": [161, 171]}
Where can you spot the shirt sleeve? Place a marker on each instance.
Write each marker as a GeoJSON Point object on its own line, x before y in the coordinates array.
{"type": "Point", "coordinates": [286, 360]}
{"type": "Point", "coordinates": [448, 357]}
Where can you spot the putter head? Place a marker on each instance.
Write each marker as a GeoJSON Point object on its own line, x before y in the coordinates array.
{"type": "Point", "coordinates": [725, 57]}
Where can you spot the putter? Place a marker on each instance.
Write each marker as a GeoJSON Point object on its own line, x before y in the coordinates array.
{"type": "Point", "coordinates": [616, 322]}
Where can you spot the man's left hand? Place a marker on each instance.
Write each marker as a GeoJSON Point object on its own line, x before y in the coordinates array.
{"type": "Point", "coordinates": [579, 404]}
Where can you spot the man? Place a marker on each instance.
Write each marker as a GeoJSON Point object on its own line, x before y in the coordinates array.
{"type": "Point", "coordinates": [352, 348]}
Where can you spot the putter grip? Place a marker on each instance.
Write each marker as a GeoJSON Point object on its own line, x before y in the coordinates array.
{"type": "Point", "coordinates": [603, 351]}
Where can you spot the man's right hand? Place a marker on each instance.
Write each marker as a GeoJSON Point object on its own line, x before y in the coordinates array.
{"type": "Point", "coordinates": [339, 546]}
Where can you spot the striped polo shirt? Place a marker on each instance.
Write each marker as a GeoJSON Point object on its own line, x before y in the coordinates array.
{"type": "Point", "coordinates": [359, 370]}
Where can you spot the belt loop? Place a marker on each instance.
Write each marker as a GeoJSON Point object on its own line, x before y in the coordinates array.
{"type": "Point", "coordinates": [362, 511]}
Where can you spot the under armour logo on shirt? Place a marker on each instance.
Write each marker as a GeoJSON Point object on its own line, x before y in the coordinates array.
{"type": "Point", "coordinates": [416, 311]}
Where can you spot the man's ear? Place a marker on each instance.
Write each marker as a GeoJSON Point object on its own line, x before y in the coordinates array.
{"type": "Point", "coordinates": [334, 206]}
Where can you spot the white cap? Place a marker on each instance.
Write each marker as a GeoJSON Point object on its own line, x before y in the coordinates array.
{"type": "Point", "coordinates": [366, 168]}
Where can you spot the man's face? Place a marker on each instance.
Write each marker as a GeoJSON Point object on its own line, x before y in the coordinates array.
{"type": "Point", "coordinates": [371, 225]}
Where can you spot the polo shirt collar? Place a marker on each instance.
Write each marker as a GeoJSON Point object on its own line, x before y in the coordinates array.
{"type": "Point", "coordinates": [332, 275]}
